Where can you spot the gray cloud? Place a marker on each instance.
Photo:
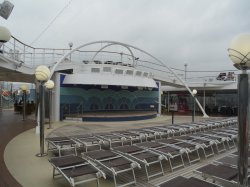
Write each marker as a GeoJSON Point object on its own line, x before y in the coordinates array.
{"type": "Point", "coordinates": [194, 31]}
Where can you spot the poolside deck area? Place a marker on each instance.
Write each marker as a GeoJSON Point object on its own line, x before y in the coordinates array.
{"type": "Point", "coordinates": [20, 167]}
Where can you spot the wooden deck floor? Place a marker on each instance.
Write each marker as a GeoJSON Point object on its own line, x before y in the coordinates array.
{"type": "Point", "coordinates": [11, 125]}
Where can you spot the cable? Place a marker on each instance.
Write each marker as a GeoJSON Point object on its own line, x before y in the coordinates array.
{"type": "Point", "coordinates": [203, 71]}
{"type": "Point", "coordinates": [51, 22]}
{"type": "Point", "coordinates": [213, 71]}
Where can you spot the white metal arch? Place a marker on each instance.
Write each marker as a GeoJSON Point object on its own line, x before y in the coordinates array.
{"type": "Point", "coordinates": [130, 46]}
{"type": "Point", "coordinates": [131, 52]}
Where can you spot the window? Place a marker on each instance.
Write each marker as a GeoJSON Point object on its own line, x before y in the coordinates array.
{"type": "Point", "coordinates": [119, 71]}
{"type": "Point", "coordinates": [95, 70]}
{"type": "Point", "coordinates": [129, 72]}
{"type": "Point", "coordinates": [107, 69]}
{"type": "Point", "coordinates": [138, 73]}
{"type": "Point", "coordinates": [145, 74]}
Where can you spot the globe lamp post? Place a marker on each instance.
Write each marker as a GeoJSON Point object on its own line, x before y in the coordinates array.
{"type": "Point", "coordinates": [42, 74]}
{"type": "Point", "coordinates": [24, 89]}
{"type": "Point", "coordinates": [5, 36]}
{"type": "Point", "coordinates": [49, 85]}
{"type": "Point", "coordinates": [239, 53]}
{"type": "Point", "coordinates": [194, 92]}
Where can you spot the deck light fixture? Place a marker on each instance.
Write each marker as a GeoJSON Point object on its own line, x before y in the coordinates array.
{"type": "Point", "coordinates": [239, 53]}
{"type": "Point", "coordinates": [5, 36]}
{"type": "Point", "coordinates": [49, 85]}
{"type": "Point", "coordinates": [194, 92]}
{"type": "Point", "coordinates": [42, 74]}
{"type": "Point", "coordinates": [24, 88]}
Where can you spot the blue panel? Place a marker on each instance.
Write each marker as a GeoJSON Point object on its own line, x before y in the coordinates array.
{"type": "Point", "coordinates": [62, 77]}
{"type": "Point", "coordinates": [76, 98]}
{"type": "Point", "coordinates": [127, 118]}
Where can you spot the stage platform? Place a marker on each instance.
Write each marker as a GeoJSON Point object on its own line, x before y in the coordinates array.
{"type": "Point", "coordinates": [112, 116]}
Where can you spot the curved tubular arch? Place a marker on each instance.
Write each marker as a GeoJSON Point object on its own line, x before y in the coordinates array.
{"type": "Point", "coordinates": [132, 54]}
{"type": "Point", "coordinates": [130, 46]}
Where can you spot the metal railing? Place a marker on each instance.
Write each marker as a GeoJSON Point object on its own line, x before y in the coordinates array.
{"type": "Point", "coordinates": [31, 56]}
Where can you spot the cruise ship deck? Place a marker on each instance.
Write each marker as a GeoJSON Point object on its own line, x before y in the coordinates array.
{"type": "Point", "coordinates": [20, 143]}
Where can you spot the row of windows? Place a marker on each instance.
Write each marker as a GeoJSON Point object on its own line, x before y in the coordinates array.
{"type": "Point", "coordinates": [121, 72]}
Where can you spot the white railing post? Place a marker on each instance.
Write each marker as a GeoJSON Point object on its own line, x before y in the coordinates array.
{"type": "Point", "coordinates": [14, 48]}
{"type": "Point", "coordinates": [34, 57]}
{"type": "Point", "coordinates": [53, 55]}
{"type": "Point", "coordinates": [24, 53]}
{"type": "Point", "coordinates": [44, 56]}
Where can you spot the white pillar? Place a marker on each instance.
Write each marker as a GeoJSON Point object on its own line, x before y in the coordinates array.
{"type": "Point", "coordinates": [38, 110]}
{"type": "Point", "coordinates": [55, 113]}
{"type": "Point", "coordinates": [159, 98]}
{"type": "Point", "coordinates": [204, 97]}
{"type": "Point", "coordinates": [204, 100]}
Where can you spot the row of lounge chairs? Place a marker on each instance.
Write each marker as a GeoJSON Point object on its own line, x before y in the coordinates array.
{"type": "Point", "coordinates": [223, 172]}
{"type": "Point", "coordinates": [124, 159]}
{"type": "Point", "coordinates": [187, 182]}
{"type": "Point", "coordinates": [112, 139]}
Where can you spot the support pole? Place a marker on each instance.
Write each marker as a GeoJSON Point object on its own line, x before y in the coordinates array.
{"type": "Point", "coordinates": [24, 104]}
{"type": "Point", "coordinates": [1, 100]}
{"type": "Point", "coordinates": [49, 108]}
{"type": "Point", "coordinates": [41, 115]}
{"type": "Point", "coordinates": [159, 98]}
{"type": "Point", "coordinates": [243, 120]}
{"type": "Point", "coordinates": [204, 98]}
{"type": "Point", "coordinates": [193, 113]}
{"type": "Point", "coordinates": [172, 117]}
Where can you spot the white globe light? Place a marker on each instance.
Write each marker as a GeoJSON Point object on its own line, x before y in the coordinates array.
{"type": "Point", "coordinates": [24, 87]}
{"type": "Point", "coordinates": [239, 50]}
{"type": "Point", "coordinates": [49, 84]}
{"type": "Point", "coordinates": [194, 91]}
{"type": "Point", "coordinates": [5, 34]}
{"type": "Point", "coordinates": [42, 73]}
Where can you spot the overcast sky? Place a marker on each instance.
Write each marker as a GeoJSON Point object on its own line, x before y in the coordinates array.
{"type": "Point", "coordinates": [197, 32]}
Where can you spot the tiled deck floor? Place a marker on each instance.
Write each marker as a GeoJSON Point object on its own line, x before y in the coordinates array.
{"type": "Point", "coordinates": [10, 126]}
{"type": "Point", "coordinates": [29, 170]}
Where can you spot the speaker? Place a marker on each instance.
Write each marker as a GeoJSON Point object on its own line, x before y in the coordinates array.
{"type": "Point", "coordinates": [5, 9]}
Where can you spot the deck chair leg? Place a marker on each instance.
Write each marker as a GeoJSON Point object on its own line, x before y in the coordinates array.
{"type": "Point", "coordinates": [170, 164]}
{"type": "Point", "coordinates": [59, 152]}
{"type": "Point", "coordinates": [161, 168]}
{"type": "Point", "coordinates": [134, 175]}
{"type": "Point", "coordinates": [217, 148]}
{"type": "Point", "coordinates": [114, 180]}
{"type": "Point", "coordinates": [188, 159]}
{"type": "Point", "coordinates": [182, 160]}
{"type": "Point", "coordinates": [224, 145]}
{"type": "Point", "coordinates": [75, 150]}
{"type": "Point", "coordinates": [234, 144]}
{"type": "Point", "coordinates": [203, 149]}
{"type": "Point", "coordinates": [198, 154]}
{"type": "Point", "coordinates": [212, 150]}
{"type": "Point", "coordinates": [146, 172]}
{"type": "Point", "coordinates": [98, 182]}
{"type": "Point", "coordinates": [53, 172]}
